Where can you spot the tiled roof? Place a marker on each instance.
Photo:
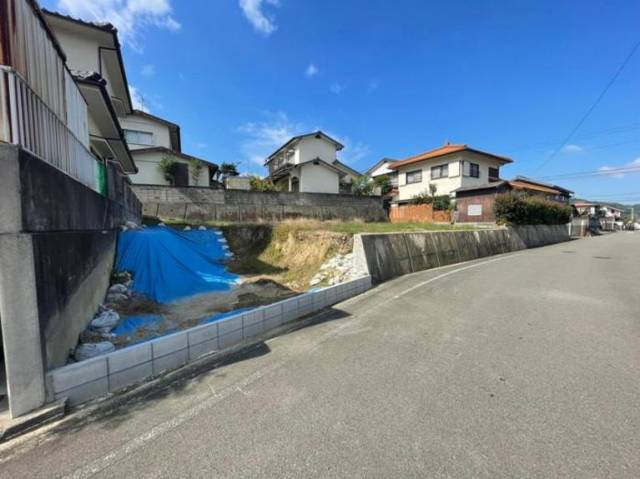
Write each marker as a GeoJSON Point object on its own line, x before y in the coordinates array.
{"type": "Point", "coordinates": [442, 151]}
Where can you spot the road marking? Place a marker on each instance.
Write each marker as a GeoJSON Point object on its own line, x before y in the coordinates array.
{"type": "Point", "coordinates": [154, 433]}
{"type": "Point", "coordinates": [448, 273]}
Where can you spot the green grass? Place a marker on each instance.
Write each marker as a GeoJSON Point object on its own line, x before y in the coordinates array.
{"type": "Point", "coordinates": [346, 227]}
{"type": "Point", "coordinates": [355, 227]}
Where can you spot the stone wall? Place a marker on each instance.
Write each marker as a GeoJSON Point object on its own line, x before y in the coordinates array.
{"type": "Point", "coordinates": [57, 243]}
{"type": "Point", "coordinates": [386, 256]}
{"type": "Point", "coordinates": [206, 204]}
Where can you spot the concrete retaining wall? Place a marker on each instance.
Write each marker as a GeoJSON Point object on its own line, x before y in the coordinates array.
{"type": "Point", "coordinates": [109, 373]}
{"type": "Point", "coordinates": [386, 256]}
{"type": "Point", "coordinates": [207, 204]}
{"type": "Point", "coordinates": [57, 241]}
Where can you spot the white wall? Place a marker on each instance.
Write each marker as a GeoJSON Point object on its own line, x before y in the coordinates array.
{"type": "Point", "coordinates": [445, 185]}
{"type": "Point", "coordinates": [381, 170]}
{"type": "Point", "coordinates": [149, 174]}
{"type": "Point", "coordinates": [310, 148]}
{"type": "Point", "coordinates": [160, 131]}
{"type": "Point", "coordinates": [318, 179]}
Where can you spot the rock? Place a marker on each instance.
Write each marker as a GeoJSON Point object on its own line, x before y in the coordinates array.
{"type": "Point", "coordinates": [105, 321]}
{"type": "Point", "coordinates": [315, 280]}
{"type": "Point", "coordinates": [187, 228]}
{"type": "Point", "coordinates": [91, 350]}
{"type": "Point", "coordinates": [202, 228]}
{"type": "Point", "coordinates": [132, 225]}
{"type": "Point", "coordinates": [162, 224]}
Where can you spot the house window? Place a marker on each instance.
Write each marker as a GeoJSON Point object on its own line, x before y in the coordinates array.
{"type": "Point", "coordinates": [494, 174]}
{"type": "Point", "coordinates": [136, 137]}
{"type": "Point", "coordinates": [440, 171]}
{"type": "Point", "coordinates": [414, 177]}
{"type": "Point", "coordinates": [471, 169]}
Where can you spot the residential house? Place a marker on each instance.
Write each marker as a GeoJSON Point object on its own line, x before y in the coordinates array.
{"type": "Point", "coordinates": [449, 168]}
{"type": "Point", "coordinates": [474, 204]}
{"type": "Point", "coordinates": [64, 193]}
{"type": "Point", "coordinates": [597, 209]}
{"type": "Point", "coordinates": [381, 168]}
{"type": "Point", "coordinates": [94, 58]}
{"type": "Point", "coordinates": [152, 139]}
{"type": "Point", "coordinates": [308, 164]}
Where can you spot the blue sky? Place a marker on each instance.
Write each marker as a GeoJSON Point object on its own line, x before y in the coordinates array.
{"type": "Point", "coordinates": [391, 78]}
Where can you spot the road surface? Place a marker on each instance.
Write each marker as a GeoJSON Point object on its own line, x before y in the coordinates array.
{"type": "Point", "coordinates": [520, 365]}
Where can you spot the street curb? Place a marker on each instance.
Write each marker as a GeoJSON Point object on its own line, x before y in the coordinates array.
{"type": "Point", "coordinates": [107, 404]}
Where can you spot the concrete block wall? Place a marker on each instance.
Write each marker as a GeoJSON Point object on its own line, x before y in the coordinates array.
{"type": "Point", "coordinates": [386, 256]}
{"type": "Point", "coordinates": [202, 204]}
{"type": "Point", "coordinates": [112, 372]}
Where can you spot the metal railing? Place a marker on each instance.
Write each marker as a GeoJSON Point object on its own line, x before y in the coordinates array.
{"type": "Point", "coordinates": [26, 120]}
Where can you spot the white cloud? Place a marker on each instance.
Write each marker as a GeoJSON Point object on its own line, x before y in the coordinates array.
{"type": "Point", "coordinates": [137, 99]}
{"type": "Point", "coordinates": [611, 170]}
{"type": "Point", "coordinates": [311, 70]}
{"type": "Point", "coordinates": [130, 17]}
{"type": "Point", "coordinates": [337, 88]}
{"type": "Point", "coordinates": [572, 149]}
{"type": "Point", "coordinates": [352, 152]}
{"type": "Point", "coordinates": [263, 137]}
{"type": "Point", "coordinates": [254, 12]}
{"type": "Point", "coordinates": [148, 70]}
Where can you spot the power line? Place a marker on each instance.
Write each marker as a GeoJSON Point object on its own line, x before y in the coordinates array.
{"type": "Point", "coordinates": [607, 172]}
{"type": "Point", "coordinates": [592, 107]}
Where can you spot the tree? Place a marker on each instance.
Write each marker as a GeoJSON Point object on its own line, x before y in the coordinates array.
{"type": "Point", "coordinates": [261, 184]}
{"type": "Point", "coordinates": [384, 183]}
{"type": "Point", "coordinates": [196, 170]}
{"type": "Point", "coordinates": [361, 186]}
{"type": "Point", "coordinates": [169, 168]}
{"type": "Point", "coordinates": [228, 169]}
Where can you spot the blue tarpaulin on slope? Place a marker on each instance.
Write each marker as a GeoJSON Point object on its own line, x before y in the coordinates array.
{"type": "Point", "coordinates": [168, 264]}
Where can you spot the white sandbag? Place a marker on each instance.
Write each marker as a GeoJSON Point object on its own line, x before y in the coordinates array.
{"type": "Point", "coordinates": [118, 288]}
{"type": "Point", "coordinates": [106, 320]}
{"type": "Point", "coordinates": [91, 350]}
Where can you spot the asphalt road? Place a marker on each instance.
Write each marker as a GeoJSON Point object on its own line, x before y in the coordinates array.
{"type": "Point", "coordinates": [520, 365]}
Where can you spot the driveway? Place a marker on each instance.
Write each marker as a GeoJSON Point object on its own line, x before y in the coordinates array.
{"type": "Point", "coordinates": [519, 365]}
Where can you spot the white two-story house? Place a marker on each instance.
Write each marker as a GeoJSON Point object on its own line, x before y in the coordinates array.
{"type": "Point", "coordinates": [152, 139]}
{"type": "Point", "coordinates": [448, 168]}
{"type": "Point", "coordinates": [308, 164]}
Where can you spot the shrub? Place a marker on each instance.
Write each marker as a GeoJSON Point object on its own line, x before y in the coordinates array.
{"type": "Point", "coordinates": [384, 183]}
{"type": "Point", "coordinates": [361, 186]}
{"type": "Point", "coordinates": [261, 184]}
{"type": "Point", "coordinates": [518, 209]}
{"type": "Point", "coordinates": [168, 167]}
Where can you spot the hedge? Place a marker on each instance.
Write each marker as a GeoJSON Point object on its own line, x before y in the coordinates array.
{"type": "Point", "coordinates": [518, 209]}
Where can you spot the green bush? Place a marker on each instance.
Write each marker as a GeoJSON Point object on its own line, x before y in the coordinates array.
{"type": "Point", "coordinates": [519, 209]}
{"type": "Point", "coordinates": [261, 184]}
{"type": "Point", "coordinates": [442, 202]}
{"type": "Point", "coordinates": [361, 186]}
{"type": "Point", "coordinates": [384, 183]}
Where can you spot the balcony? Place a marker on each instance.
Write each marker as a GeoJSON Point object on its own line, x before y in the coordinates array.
{"type": "Point", "coordinates": [27, 121]}
{"type": "Point", "coordinates": [278, 163]}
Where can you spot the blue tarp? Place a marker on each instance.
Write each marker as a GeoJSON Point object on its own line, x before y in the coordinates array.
{"type": "Point", "coordinates": [168, 264]}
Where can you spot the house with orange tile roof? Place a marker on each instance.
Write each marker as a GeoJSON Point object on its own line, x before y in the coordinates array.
{"type": "Point", "coordinates": [449, 167]}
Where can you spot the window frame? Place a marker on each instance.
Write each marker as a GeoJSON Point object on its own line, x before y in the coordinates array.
{"type": "Point", "coordinates": [497, 170]}
{"type": "Point", "coordinates": [138, 133]}
{"type": "Point", "coordinates": [443, 168]}
{"type": "Point", "coordinates": [412, 172]}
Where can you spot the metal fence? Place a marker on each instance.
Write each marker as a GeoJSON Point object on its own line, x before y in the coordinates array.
{"type": "Point", "coordinates": [36, 128]}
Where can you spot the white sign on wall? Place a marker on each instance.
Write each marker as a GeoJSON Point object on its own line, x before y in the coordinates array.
{"type": "Point", "coordinates": [474, 210]}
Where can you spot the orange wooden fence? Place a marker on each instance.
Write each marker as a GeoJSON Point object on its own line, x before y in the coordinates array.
{"type": "Point", "coordinates": [418, 214]}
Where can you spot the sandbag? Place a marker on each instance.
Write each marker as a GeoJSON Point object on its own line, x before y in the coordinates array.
{"type": "Point", "coordinates": [91, 350]}
{"type": "Point", "coordinates": [106, 320]}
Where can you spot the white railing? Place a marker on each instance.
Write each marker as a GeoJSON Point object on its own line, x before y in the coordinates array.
{"type": "Point", "coordinates": [26, 120]}
{"type": "Point", "coordinates": [279, 162]}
